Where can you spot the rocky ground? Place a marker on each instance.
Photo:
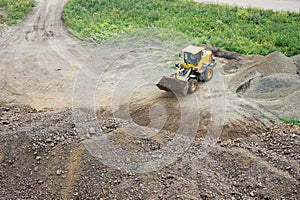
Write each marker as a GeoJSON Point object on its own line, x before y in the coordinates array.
{"type": "Point", "coordinates": [42, 157]}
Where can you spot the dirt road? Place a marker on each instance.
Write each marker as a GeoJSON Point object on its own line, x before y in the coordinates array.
{"type": "Point", "coordinates": [39, 60]}
{"type": "Point", "coordinates": [283, 5]}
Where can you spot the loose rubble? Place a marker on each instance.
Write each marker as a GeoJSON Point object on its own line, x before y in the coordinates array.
{"type": "Point", "coordinates": [48, 160]}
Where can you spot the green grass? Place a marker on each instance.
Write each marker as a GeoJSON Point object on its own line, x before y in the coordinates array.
{"type": "Point", "coordinates": [15, 9]}
{"type": "Point", "coordinates": [287, 120]}
{"type": "Point", "coordinates": [247, 31]}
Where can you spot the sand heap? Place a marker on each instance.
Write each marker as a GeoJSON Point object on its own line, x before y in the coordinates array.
{"type": "Point", "coordinates": [272, 82]}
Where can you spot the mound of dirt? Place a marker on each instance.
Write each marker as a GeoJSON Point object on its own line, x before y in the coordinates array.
{"type": "Point", "coordinates": [273, 63]}
{"type": "Point", "coordinates": [276, 62]}
{"type": "Point", "coordinates": [273, 86]}
{"type": "Point", "coordinates": [271, 83]}
{"type": "Point", "coordinates": [277, 82]}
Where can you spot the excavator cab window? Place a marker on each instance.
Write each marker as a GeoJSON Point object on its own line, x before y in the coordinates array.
{"type": "Point", "coordinates": [189, 58]}
{"type": "Point", "coordinates": [198, 57]}
{"type": "Point", "coordinates": [192, 58]}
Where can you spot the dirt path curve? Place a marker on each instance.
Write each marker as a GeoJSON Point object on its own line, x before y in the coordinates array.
{"type": "Point", "coordinates": [285, 5]}
{"type": "Point", "coordinates": [39, 60]}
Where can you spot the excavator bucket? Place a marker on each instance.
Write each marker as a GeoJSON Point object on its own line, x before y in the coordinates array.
{"type": "Point", "coordinates": [176, 86]}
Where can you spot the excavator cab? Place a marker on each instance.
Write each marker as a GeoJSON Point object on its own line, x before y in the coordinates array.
{"type": "Point", "coordinates": [190, 58]}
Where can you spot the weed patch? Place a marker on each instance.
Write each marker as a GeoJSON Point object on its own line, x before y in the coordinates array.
{"type": "Point", "coordinates": [294, 121]}
{"type": "Point", "coordinates": [15, 10]}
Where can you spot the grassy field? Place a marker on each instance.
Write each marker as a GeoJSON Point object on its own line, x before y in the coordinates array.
{"type": "Point", "coordinates": [247, 31]}
{"type": "Point", "coordinates": [15, 10]}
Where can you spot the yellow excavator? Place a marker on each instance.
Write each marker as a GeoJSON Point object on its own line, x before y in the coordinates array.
{"type": "Point", "coordinates": [197, 65]}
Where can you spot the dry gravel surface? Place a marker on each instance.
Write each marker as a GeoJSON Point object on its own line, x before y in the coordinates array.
{"type": "Point", "coordinates": [42, 157]}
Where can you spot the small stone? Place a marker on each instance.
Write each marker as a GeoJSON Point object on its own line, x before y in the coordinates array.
{"type": "Point", "coordinates": [48, 140]}
{"type": "Point", "coordinates": [170, 176]}
{"type": "Point", "coordinates": [234, 183]}
{"type": "Point", "coordinates": [75, 132]}
{"type": "Point", "coordinates": [252, 194]}
{"type": "Point", "coordinates": [38, 158]}
{"type": "Point", "coordinates": [5, 122]}
{"type": "Point", "coordinates": [293, 136]}
{"type": "Point", "coordinates": [59, 172]}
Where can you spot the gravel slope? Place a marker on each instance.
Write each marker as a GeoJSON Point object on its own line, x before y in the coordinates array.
{"type": "Point", "coordinates": [42, 157]}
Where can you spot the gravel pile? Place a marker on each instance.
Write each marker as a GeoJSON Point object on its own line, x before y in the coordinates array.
{"type": "Point", "coordinates": [270, 83]}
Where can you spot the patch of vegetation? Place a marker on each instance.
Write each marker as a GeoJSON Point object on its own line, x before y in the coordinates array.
{"type": "Point", "coordinates": [15, 10]}
{"type": "Point", "coordinates": [287, 120]}
{"type": "Point", "coordinates": [247, 31]}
